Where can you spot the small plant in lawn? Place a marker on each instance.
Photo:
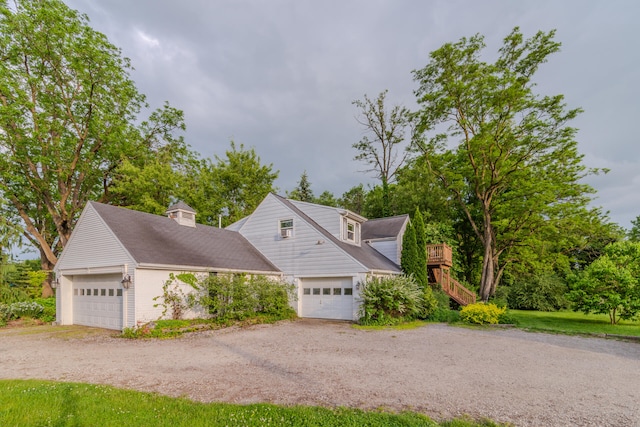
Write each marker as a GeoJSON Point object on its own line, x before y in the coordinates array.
{"type": "Point", "coordinates": [481, 313]}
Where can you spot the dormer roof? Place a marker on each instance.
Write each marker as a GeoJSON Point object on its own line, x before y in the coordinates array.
{"type": "Point", "coordinates": [182, 213]}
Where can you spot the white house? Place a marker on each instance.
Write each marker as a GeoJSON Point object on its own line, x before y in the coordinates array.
{"type": "Point", "coordinates": [117, 260]}
{"type": "Point", "coordinates": [322, 250]}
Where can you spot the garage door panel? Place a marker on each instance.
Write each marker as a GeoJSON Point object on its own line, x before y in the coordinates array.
{"type": "Point", "coordinates": [327, 298]}
{"type": "Point", "coordinates": [97, 301]}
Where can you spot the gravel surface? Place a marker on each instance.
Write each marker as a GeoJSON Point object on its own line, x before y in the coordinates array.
{"type": "Point", "coordinates": [527, 379]}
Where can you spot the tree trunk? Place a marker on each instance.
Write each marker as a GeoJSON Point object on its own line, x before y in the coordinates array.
{"type": "Point", "coordinates": [385, 197]}
{"type": "Point", "coordinates": [488, 271]}
{"type": "Point", "coordinates": [46, 265]}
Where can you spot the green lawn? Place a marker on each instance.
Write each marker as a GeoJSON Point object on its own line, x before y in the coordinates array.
{"type": "Point", "coordinates": [569, 322]}
{"type": "Point", "coordinates": [44, 403]}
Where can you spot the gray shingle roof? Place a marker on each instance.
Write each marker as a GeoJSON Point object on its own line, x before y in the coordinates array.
{"type": "Point", "coordinates": [157, 239]}
{"type": "Point", "coordinates": [364, 254]}
{"type": "Point", "coordinates": [181, 205]}
{"type": "Point", "coordinates": [382, 228]}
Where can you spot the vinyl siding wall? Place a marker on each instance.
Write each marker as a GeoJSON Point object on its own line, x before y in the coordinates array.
{"type": "Point", "coordinates": [147, 286]}
{"type": "Point", "coordinates": [83, 249]}
{"type": "Point", "coordinates": [92, 249]}
{"type": "Point", "coordinates": [388, 248]}
{"type": "Point", "coordinates": [327, 217]}
{"type": "Point", "coordinates": [299, 255]}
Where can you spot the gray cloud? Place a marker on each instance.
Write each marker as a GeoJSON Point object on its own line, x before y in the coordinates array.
{"type": "Point", "coordinates": [280, 75]}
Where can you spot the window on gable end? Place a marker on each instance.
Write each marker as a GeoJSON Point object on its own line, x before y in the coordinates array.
{"type": "Point", "coordinates": [286, 228]}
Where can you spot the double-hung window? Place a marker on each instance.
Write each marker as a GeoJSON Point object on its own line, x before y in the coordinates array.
{"type": "Point", "coordinates": [351, 231]}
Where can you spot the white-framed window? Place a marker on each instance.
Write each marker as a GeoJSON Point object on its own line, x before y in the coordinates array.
{"type": "Point", "coordinates": [286, 228]}
{"type": "Point", "coordinates": [351, 230]}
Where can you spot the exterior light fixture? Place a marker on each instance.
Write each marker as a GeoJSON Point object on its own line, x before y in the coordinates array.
{"type": "Point", "coordinates": [55, 283]}
{"type": "Point", "coordinates": [126, 281]}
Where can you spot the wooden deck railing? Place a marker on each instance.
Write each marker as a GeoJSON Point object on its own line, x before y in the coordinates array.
{"type": "Point", "coordinates": [439, 255]}
{"type": "Point", "coordinates": [453, 288]}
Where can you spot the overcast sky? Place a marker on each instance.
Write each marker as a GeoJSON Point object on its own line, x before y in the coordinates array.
{"type": "Point", "coordinates": [280, 76]}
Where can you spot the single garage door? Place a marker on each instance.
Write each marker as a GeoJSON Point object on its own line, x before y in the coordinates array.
{"type": "Point", "coordinates": [97, 301]}
{"type": "Point", "coordinates": [327, 298]}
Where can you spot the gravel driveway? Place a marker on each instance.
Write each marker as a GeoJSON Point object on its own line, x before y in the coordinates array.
{"type": "Point", "coordinates": [527, 379]}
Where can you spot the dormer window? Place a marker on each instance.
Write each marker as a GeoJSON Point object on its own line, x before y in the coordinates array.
{"type": "Point", "coordinates": [286, 228]}
{"type": "Point", "coordinates": [351, 231]}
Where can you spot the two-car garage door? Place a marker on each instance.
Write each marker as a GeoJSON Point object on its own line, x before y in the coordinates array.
{"type": "Point", "coordinates": [97, 301]}
{"type": "Point", "coordinates": [327, 298]}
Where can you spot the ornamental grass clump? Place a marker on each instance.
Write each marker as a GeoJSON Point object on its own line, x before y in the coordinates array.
{"type": "Point", "coordinates": [481, 313]}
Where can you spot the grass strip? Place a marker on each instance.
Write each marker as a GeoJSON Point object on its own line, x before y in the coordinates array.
{"type": "Point", "coordinates": [46, 403]}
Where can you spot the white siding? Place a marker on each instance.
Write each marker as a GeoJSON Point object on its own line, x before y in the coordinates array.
{"type": "Point", "coordinates": [147, 286]}
{"type": "Point", "coordinates": [388, 248]}
{"type": "Point", "coordinates": [92, 244]}
{"type": "Point", "coordinates": [327, 217]}
{"type": "Point", "coordinates": [299, 255]}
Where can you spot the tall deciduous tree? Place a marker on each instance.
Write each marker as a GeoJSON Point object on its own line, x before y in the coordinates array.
{"type": "Point", "coordinates": [514, 166]}
{"type": "Point", "coordinates": [383, 148]}
{"type": "Point", "coordinates": [67, 114]}
{"type": "Point", "coordinates": [241, 181]}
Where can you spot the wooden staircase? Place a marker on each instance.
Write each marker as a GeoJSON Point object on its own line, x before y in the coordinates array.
{"type": "Point", "coordinates": [439, 262]}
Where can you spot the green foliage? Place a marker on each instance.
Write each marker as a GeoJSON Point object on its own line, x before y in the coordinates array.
{"type": "Point", "coordinates": [634, 233]}
{"type": "Point", "coordinates": [477, 117]}
{"type": "Point", "coordinates": [354, 199]}
{"type": "Point", "coordinates": [391, 300]}
{"type": "Point", "coordinates": [21, 309]}
{"type": "Point", "coordinates": [610, 285]}
{"type": "Point", "coordinates": [239, 296]}
{"type": "Point", "coordinates": [303, 191]}
{"type": "Point", "coordinates": [430, 303]}
{"type": "Point", "coordinates": [443, 311]}
{"type": "Point", "coordinates": [41, 403]}
{"type": "Point", "coordinates": [241, 181]}
{"type": "Point", "coordinates": [70, 116]}
{"type": "Point", "coordinates": [481, 313]}
{"type": "Point", "coordinates": [11, 294]}
{"type": "Point", "coordinates": [569, 322]}
{"type": "Point", "coordinates": [387, 129]}
{"type": "Point", "coordinates": [43, 309]}
{"type": "Point", "coordinates": [48, 313]}
{"type": "Point", "coordinates": [544, 292]}
{"type": "Point", "coordinates": [409, 255]}
{"type": "Point", "coordinates": [326, 198]}
{"type": "Point", "coordinates": [420, 272]}
{"type": "Point", "coordinates": [174, 300]}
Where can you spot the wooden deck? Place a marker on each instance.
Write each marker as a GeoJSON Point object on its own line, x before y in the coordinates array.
{"type": "Point", "coordinates": [439, 255]}
{"type": "Point", "coordinates": [439, 261]}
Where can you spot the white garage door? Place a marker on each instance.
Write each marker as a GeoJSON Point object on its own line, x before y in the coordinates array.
{"type": "Point", "coordinates": [327, 298]}
{"type": "Point", "coordinates": [97, 301]}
